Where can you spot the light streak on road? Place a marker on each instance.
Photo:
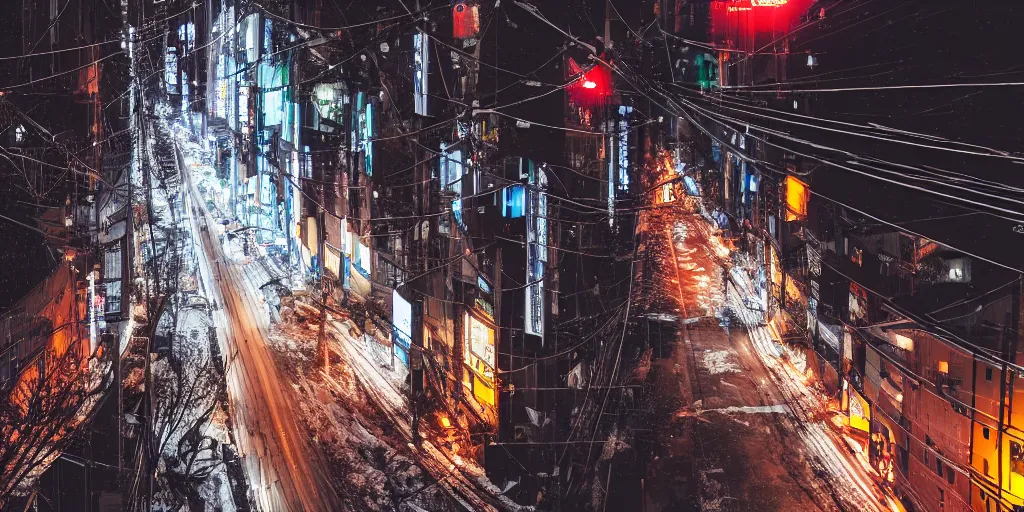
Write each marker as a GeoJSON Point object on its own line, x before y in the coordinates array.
{"type": "Point", "coordinates": [848, 476]}
{"type": "Point", "coordinates": [283, 471]}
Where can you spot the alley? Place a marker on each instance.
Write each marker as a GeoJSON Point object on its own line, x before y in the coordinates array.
{"type": "Point", "coordinates": [743, 430]}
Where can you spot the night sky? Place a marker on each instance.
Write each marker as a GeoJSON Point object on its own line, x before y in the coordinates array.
{"type": "Point", "coordinates": [24, 260]}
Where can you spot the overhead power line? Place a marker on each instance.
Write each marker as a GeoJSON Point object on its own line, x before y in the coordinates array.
{"type": "Point", "coordinates": [882, 87]}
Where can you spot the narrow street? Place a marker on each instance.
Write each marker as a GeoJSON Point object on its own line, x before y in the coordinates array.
{"type": "Point", "coordinates": [276, 451]}
{"type": "Point", "coordinates": [742, 429]}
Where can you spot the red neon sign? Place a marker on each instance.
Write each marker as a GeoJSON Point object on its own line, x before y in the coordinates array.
{"type": "Point", "coordinates": [748, 5]}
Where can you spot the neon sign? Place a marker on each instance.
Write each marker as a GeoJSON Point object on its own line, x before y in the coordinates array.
{"type": "Point", "coordinates": [748, 5]}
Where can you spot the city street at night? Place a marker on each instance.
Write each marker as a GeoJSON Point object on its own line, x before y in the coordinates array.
{"type": "Point", "coordinates": [511, 256]}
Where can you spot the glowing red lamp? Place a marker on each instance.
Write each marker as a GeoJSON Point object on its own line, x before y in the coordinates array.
{"type": "Point", "coordinates": [591, 87]}
{"type": "Point", "coordinates": [465, 19]}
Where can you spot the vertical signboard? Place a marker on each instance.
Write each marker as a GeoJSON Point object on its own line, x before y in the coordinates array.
{"type": "Point", "coordinates": [536, 247]}
{"type": "Point", "coordinates": [421, 66]}
{"type": "Point", "coordinates": [401, 318]}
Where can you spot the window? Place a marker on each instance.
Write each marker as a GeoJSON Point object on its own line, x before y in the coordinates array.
{"type": "Point", "coordinates": [938, 466]}
{"type": "Point", "coordinates": [988, 377]}
{"type": "Point", "coordinates": [112, 264]}
{"type": "Point", "coordinates": [857, 256]}
{"type": "Point", "coordinates": [984, 468]}
{"type": "Point", "coordinates": [112, 297]}
{"type": "Point", "coordinates": [985, 432]}
{"type": "Point", "coordinates": [1016, 457]}
{"type": "Point", "coordinates": [904, 342]}
{"type": "Point", "coordinates": [19, 134]}
{"type": "Point", "coordinates": [950, 475]}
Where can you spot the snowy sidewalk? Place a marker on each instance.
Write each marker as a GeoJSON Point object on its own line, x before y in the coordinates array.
{"type": "Point", "coordinates": [464, 480]}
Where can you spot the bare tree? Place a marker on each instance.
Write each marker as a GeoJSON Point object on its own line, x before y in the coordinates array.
{"type": "Point", "coordinates": [40, 412]}
{"type": "Point", "coordinates": [187, 392]}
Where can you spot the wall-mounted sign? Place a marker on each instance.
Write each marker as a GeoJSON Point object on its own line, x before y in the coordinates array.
{"type": "Point", "coordinates": [421, 66]}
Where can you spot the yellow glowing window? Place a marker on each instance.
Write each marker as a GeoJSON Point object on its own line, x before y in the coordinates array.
{"type": "Point", "coordinates": [797, 195]}
{"type": "Point", "coordinates": [943, 367]}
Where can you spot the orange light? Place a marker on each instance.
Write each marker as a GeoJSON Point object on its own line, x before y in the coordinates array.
{"type": "Point", "coordinates": [797, 195]}
{"type": "Point", "coordinates": [445, 422]}
{"type": "Point", "coordinates": [589, 84]}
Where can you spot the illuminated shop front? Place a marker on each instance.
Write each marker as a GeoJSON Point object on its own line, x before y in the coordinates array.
{"type": "Point", "coordinates": [480, 359]}
{"type": "Point", "coordinates": [859, 408]}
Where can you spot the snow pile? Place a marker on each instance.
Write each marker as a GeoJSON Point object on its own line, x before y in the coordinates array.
{"type": "Point", "coordinates": [719, 361]}
{"type": "Point", "coordinates": [372, 467]}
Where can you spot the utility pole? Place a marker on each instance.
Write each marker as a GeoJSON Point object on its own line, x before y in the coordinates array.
{"type": "Point", "coordinates": [416, 366]}
{"type": "Point", "coordinates": [782, 246]}
{"type": "Point", "coordinates": [321, 346]}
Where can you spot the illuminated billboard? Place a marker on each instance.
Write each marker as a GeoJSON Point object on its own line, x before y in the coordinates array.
{"type": "Point", "coordinates": [536, 247]}
{"type": "Point", "coordinates": [401, 325]}
{"type": "Point", "coordinates": [420, 43]}
{"type": "Point", "coordinates": [482, 358]}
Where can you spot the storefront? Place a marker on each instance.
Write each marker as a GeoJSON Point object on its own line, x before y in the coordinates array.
{"type": "Point", "coordinates": [480, 359]}
{"type": "Point", "coordinates": [858, 408]}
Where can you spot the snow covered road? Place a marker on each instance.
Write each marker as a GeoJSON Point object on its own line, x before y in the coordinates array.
{"type": "Point", "coordinates": [283, 471]}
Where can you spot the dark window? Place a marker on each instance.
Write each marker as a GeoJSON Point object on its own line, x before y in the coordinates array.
{"type": "Point", "coordinates": [950, 475]}
{"type": "Point", "coordinates": [988, 377]}
{"type": "Point", "coordinates": [938, 466]}
{"type": "Point", "coordinates": [984, 468]}
{"type": "Point", "coordinates": [985, 432]}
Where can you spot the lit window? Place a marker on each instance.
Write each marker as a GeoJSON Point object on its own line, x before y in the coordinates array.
{"type": "Point", "coordinates": [956, 274]}
{"type": "Point", "coordinates": [19, 134]}
{"type": "Point", "coordinates": [943, 367]}
{"type": "Point", "coordinates": [797, 195]}
{"type": "Point", "coordinates": [904, 342]}
{"type": "Point", "coordinates": [1016, 458]}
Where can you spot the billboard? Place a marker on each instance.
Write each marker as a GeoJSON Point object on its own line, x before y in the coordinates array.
{"type": "Point", "coordinates": [401, 324]}
{"type": "Point", "coordinates": [536, 247]}
{"type": "Point", "coordinates": [421, 63]}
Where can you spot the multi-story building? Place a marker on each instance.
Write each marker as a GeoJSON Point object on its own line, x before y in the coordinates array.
{"type": "Point", "coordinates": [915, 337]}
{"type": "Point", "coordinates": [67, 132]}
{"type": "Point", "coordinates": [408, 176]}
